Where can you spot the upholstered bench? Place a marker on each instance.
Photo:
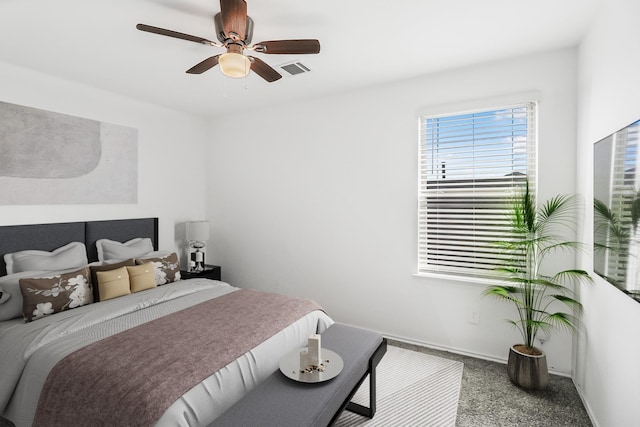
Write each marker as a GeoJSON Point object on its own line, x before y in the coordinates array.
{"type": "Point", "coordinates": [280, 401]}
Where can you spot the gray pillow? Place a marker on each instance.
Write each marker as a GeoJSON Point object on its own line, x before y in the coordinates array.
{"type": "Point", "coordinates": [68, 256]}
{"type": "Point", "coordinates": [112, 250]}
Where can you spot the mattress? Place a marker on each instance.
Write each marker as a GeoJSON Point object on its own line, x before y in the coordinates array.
{"type": "Point", "coordinates": [28, 352]}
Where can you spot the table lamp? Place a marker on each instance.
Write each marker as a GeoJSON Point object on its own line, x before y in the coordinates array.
{"type": "Point", "coordinates": [197, 234]}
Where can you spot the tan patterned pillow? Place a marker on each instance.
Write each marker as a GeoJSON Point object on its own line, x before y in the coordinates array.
{"type": "Point", "coordinates": [141, 277]}
{"type": "Point", "coordinates": [113, 283]}
{"type": "Point", "coordinates": [106, 267]}
{"type": "Point", "coordinates": [47, 295]}
{"type": "Point", "coordinates": [167, 268]}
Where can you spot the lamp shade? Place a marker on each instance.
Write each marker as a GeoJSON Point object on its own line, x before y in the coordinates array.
{"type": "Point", "coordinates": [198, 231]}
{"type": "Point", "coordinates": [234, 64]}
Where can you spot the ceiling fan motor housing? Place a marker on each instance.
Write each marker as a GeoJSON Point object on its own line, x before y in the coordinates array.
{"type": "Point", "coordinates": [222, 37]}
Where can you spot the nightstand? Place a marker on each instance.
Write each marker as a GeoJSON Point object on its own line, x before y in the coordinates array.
{"type": "Point", "coordinates": [213, 272]}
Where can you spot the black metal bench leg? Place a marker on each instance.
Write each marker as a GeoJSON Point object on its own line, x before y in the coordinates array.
{"type": "Point", "coordinates": [373, 363]}
{"type": "Point", "coordinates": [363, 410]}
{"type": "Point", "coordinates": [371, 372]}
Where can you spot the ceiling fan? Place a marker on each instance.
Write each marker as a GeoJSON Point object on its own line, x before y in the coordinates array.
{"type": "Point", "coordinates": [234, 30]}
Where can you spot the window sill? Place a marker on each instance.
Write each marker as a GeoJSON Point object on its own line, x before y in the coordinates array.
{"type": "Point", "coordinates": [455, 278]}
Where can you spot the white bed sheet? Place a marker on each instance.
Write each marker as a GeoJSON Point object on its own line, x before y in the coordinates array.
{"type": "Point", "coordinates": [29, 351]}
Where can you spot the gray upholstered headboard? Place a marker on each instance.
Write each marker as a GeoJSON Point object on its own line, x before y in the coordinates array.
{"type": "Point", "coordinates": [47, 237]}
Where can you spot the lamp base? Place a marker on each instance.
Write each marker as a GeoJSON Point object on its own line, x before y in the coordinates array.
{"type": "Point", "coordinates": [197, 258]}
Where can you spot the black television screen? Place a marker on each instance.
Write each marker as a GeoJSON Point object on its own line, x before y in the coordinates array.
{"type": "Point", "coordinates": [616, 225]}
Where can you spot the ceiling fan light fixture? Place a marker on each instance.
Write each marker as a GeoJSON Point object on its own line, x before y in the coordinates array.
{"type": "Point", "coordinates": [234, 64]}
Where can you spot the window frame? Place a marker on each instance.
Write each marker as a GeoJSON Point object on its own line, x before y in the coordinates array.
{"type": "Point", "coordinates": [425, 264]}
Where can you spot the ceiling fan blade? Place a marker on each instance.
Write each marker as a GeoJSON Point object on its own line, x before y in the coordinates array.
{"type": "Point", "coordinates": [289, 46]}
{"type": "Point", "coordinates": [234, 18]}
{"type": "Point", "coordinates": [205, 65]}
{"type": "Point", "coordinates": [175, 34]}
{"type": "Point", "coordinates": [264, 70]}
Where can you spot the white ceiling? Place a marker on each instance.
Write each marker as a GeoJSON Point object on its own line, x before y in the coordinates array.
{"type": "Point", "coordinates": [363, 43]}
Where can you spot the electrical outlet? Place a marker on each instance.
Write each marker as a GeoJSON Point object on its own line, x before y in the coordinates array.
{"type": "Point", "coordinates": [474, 317]}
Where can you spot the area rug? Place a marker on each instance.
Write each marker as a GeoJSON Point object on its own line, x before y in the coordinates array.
{"type": "Point", "coordinates": [413, 389]}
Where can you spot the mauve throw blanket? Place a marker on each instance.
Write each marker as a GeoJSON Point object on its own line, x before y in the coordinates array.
{"type": "Point", "coordinates": [131, 378]}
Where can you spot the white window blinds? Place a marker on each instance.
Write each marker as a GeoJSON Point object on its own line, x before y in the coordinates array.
{"type": "Point", "coordinates": [470, 165]}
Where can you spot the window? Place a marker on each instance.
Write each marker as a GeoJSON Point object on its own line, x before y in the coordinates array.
{"type": "Point", "coordinates": [471, 164]}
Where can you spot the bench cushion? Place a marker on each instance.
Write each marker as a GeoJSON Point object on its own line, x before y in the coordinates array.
{"type": "Point", "coordinates": [280, 401]}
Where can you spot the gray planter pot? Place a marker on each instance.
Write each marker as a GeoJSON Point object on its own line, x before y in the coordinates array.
{"type": "Point", "coordinates": [528, 371]}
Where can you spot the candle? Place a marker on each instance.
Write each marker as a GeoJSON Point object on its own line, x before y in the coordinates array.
{"type": "Point", "coordinates": [198, 256]}
{"type": "Point", "coordinates": [315, 357]}
{"type": "Point", "coordinates": [304, 359]}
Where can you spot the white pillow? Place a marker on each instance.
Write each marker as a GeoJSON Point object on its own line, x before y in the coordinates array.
{"type": "Point", "coordinates": [156, 254]}
{"type": "Point", "coordinates": [71, 255]}
{"type": "Point", "coordinates": [112, 250]}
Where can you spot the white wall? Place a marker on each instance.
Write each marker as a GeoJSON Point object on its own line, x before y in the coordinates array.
{"type": "Point", "coordinates": [319, 199]}
{"type": "Point", "coordinates": [608, 99]}
{"type": "Point", "coordinates": [169, 143]}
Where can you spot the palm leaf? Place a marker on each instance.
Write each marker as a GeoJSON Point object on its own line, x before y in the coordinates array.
{"type": "Point", "coordinates": [568, 301]}
{"type": "Point", "coordinates": [561, 320]}
{"type": "Point", "coordinates": [540, 231]}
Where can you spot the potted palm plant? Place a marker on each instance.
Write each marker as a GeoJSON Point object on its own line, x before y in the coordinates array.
{"type": "Point", "coordinates": [539, 298]}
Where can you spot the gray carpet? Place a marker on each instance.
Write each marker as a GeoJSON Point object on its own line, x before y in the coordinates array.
{"type": "Point", "coordinates": [488, 399]}
{"type": "Point", "coordinates": [413, 389]}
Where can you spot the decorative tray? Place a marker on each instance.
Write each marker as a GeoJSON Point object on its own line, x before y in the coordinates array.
{"type": "Point", "coordinates": [331, 366]}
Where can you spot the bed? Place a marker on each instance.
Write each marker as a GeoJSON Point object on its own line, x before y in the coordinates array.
{"type": "Point", "coordinates": [172, 352]}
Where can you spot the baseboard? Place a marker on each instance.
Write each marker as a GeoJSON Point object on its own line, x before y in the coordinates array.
{"type": "Point", "coordinates": [586, 405]}
{"type": "Point", "coordinates": [460, 351]}
{"type": "Point", "coordinates": [454, 350]}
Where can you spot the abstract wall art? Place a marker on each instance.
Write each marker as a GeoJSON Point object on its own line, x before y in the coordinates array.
{"type": "Point", "coordinates": [52, 158]}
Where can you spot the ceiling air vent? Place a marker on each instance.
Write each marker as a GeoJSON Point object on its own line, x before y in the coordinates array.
{"type": "Point", "coordinates": [295, 68]}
